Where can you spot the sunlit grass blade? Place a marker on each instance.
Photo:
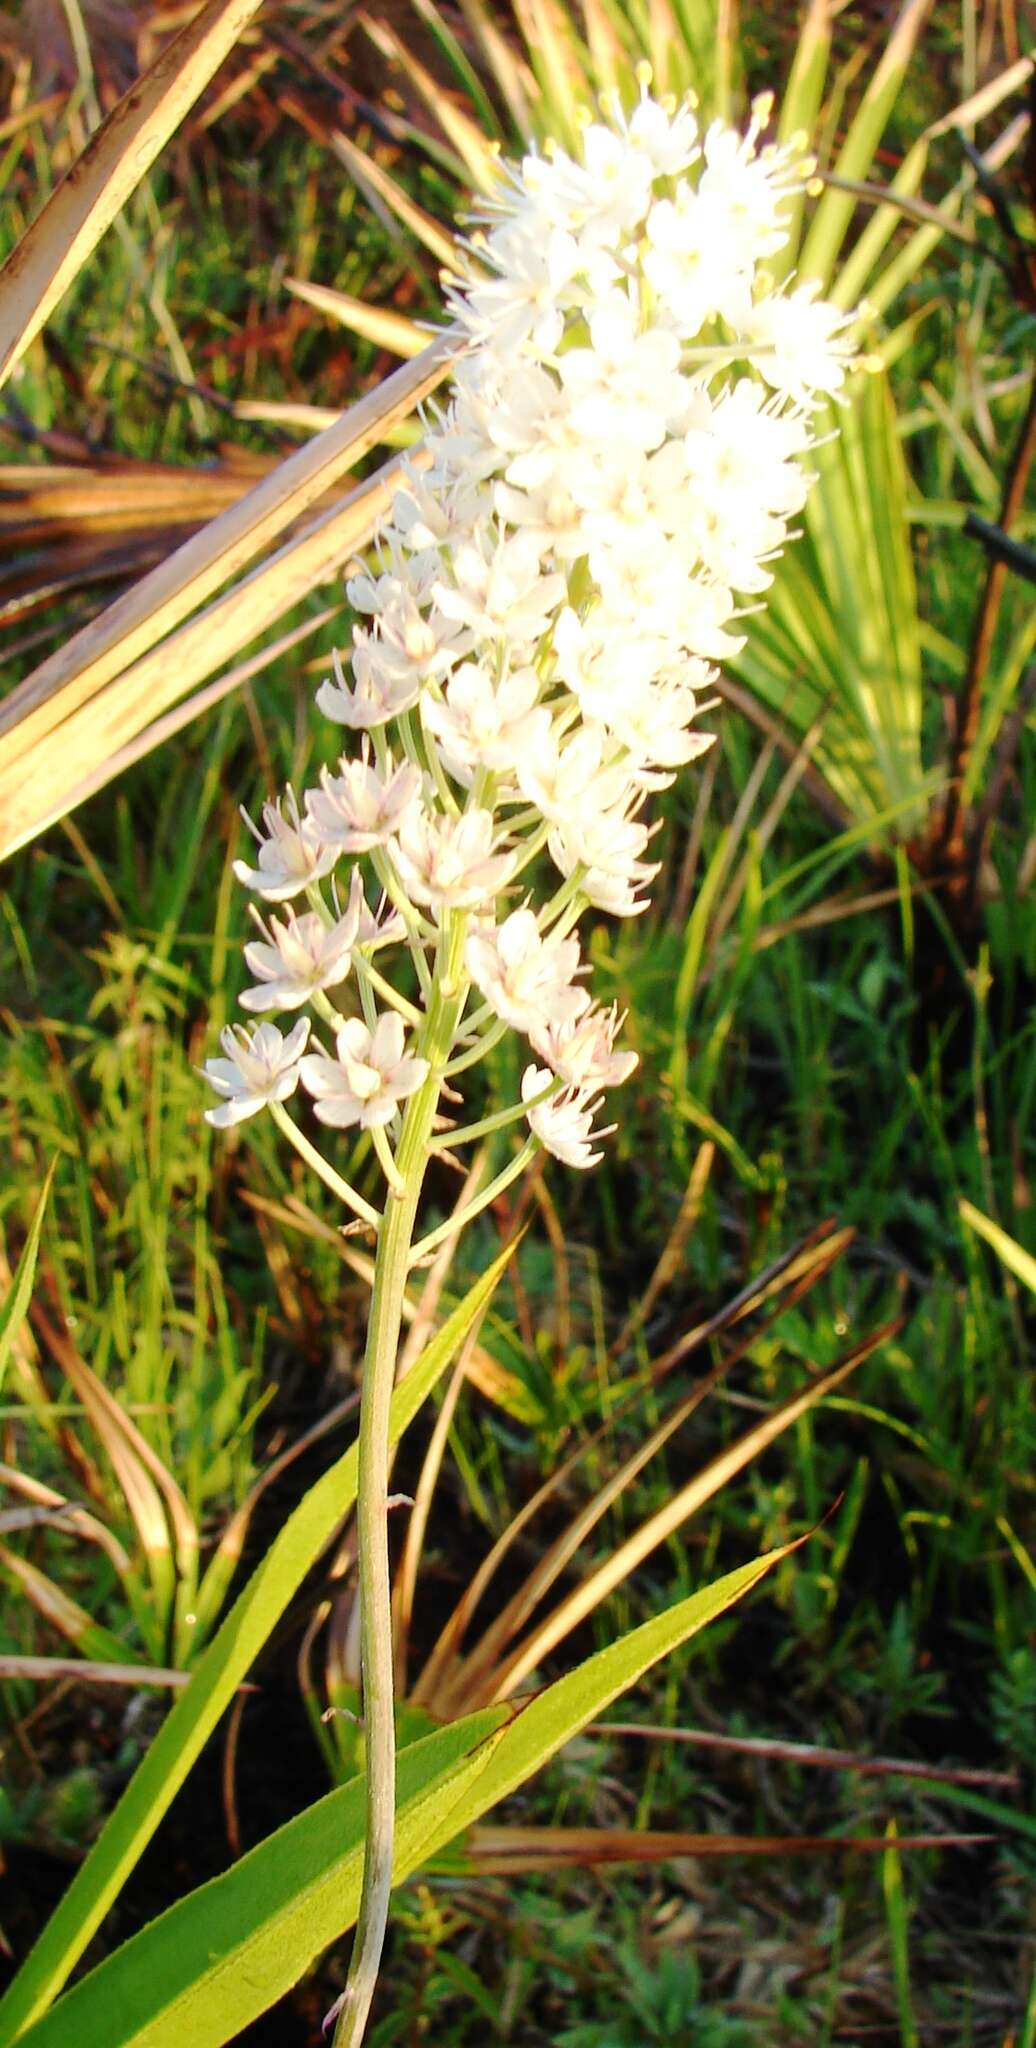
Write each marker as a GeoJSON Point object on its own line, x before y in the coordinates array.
{"type": "Point", "coordinates": [60, 1611]}
{"type": "Point", "coordinates": [616, 1569]}
{"type": "Point", "coordinates": [120, 153]}
{"type": "Point", "coordinates": [1014, 1256]}
{"type": "Point", "coordinates": [834, 212]}
{"type": "Point", "coordinates": [379, 324]}
{"type": "Point", "coordinates": [15, 1306]}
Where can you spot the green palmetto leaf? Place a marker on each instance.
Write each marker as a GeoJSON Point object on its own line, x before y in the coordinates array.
{"type": "Point", "coordinates": [233, 1648]}
{"type": "Point", "coordinates": [224, 1954]}
{"type": "Point", "coordinates": [839, 637]}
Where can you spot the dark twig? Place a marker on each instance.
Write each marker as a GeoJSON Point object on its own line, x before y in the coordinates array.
{"type": "Point", "coordinates": [953, 834]}
{"type": "Point", "coordinates": [1012, 553]}
{"type": "Point", "coordinates": [1008, 742]}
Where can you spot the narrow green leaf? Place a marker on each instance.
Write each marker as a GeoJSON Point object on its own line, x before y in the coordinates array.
{"type": "Point", "coordinates": [218, 1675]}
{"type": "Point", "coordinates": [16, 1304]}
{"type": "Point", "coordinates": [220, 1957]}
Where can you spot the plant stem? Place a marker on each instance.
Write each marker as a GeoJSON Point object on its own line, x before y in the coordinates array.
{"type": "Point", "coordinates": [395, 1237]}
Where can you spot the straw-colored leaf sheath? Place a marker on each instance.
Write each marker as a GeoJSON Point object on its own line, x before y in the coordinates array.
{"type": "Point", "coordinates": [50, 256]}
{"type": "Point", "coordinates": [32, 791]}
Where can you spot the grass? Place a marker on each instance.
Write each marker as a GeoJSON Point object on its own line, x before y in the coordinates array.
{"type": "Point", "coordinates": [876, 1066]}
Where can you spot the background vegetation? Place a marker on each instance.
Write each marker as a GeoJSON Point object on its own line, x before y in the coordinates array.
{"type": "Point", "coordinates": [832, 1000]}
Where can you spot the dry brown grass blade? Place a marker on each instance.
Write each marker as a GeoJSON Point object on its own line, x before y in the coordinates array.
{"type": "Point", "coordinates": [801, 1267]}
{"type": "Point", "coordinates": [139, 619]}
{"type": "Point", "coordinates": [470, 1676]}
{"type": "Point", "coordinates": [121, 152]}
{"type": "Point", "coordinates": [812, 1754]}
{"type": "Point", "coordinates": [510, 1851]}
{"type": "Point", "coordinates": [88, 1671]}
{"type": "Point", "coordinates": [36, 788]}
{"type": "Point", "coordinates": [673, 1250]}
{"type": "Point", "coordinates": [445, 1683]}
{"type": "Point", "coordinates": [594, 1588]}
{"type": "Point", "coordinates": [44, 503]}
{"type": "Point", "coordinates": [65, 1514]}
{"type": "Point", "coordinates": [379, 324]}
{"type": "Point", "coordinates": [200, 701]}
{"type": "Point", "coordinates": [461, 132]}
{"type": "Point", "coordinates": [485, 1373]}
{"type": "Point", "coordinates": [370, 175]}
{"type": "Point", "coordinates": [57, 1608]}
{"type": "Point", "coordinates": [151, 1491]}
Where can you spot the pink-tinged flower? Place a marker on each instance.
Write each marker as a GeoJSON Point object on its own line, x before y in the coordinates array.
{"type": "Point", "coordinates": [261, 1067]}
{"type": "Point", "coordinates": [563, 1123]}
{"type": "Point", "coordinates": [580, 1050]}
{"type": "Point", "coordinates": [369, 1078]}
{"type": "Point", "coordinates": [359, 807]}
{"type": "Point", "coordinates": [526, 978]}
{"type": "Point", "coordinates": [449, 863]}
{"type": "Point", "coordinates": [299, 956]}
{"type": "Point", "coordinates": [291, 854]}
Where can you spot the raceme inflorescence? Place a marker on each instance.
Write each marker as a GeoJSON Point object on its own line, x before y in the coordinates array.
{"type": "Point", "coordinates": [625, 444]}
{"type": "Point", "coordinates": [624, 447]}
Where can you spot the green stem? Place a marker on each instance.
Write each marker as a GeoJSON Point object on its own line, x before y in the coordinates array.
{"type": "Point", "coordinates": [322, 1169]}
{"type": "Point", "coordinates": [496, 1187]}
{"type": "Point", "coordinates": [391, 1265]}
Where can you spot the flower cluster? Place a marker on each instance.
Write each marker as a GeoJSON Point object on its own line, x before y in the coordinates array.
{"type": "Point", "coordinates": [620, 459]}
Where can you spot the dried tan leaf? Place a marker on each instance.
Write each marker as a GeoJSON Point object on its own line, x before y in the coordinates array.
{"type": "Point", "coordinates": [121, 152]}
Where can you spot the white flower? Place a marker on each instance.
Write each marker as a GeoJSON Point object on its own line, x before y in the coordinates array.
{"type": "Point", "coordinates": [799, 343]}
{"type": "Point", "coordinates": [563, 777]}
{"type": "Point", "coordinates": [291, 855]}
{"type": "Point", "coordinates": [521, 303]}
{"type": "Point", "coordinates": [563, 1123]}
{"type": "Point", "coordinates": [369, 1078]}
{"type": "Point", "coordinates": [480, 723]}
{"type": "Point", "coordinates": [627, 385]}
{"type": "Point", "coordinates": [449, 863]}
{"type": "Point", "coordinates": [299, 956]}
{"type": "Point", "coordinates": [580, 1049]}
{"type": "Point", "coordinates": [260, 1067]}
{"type": "Point", "coordinates": [359, 807]}
{"type": "Point", "coordinates": [607, 848]}
{"type": "Point", "coordinates": [498, 591]}
{"type": "Point", "coordinates": [380, 689]}
{"type": "Point", "coordinates": [526, 978]}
